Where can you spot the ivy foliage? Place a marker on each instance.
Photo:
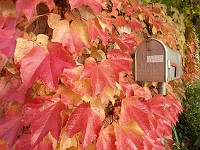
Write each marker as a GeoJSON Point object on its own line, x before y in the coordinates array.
{"type": "Point", "coordinates": [188, 128]}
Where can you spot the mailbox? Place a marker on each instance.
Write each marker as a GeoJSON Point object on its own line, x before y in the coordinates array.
{"type": "Point", "coordinates": [156, 62]}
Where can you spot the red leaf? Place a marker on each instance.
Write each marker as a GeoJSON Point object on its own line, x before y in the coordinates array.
{"type": "Point", "coordinates": [166, 107]}
{"type": "Point", "coordinates": [84, 119]}
{"type": "Point", "coordinates": [45, 66]}
{"type": "Point", "coordinates": [65, 35]}
{"type": "Point", "coordinates": [119, 61]}
{"type": "Point", "coordinates": [24, 142]}
{"type": "Point", "coordinates": [128, 138]}
{"type": "Point", "coordinates": [44, 116]}
{"type": "Point", "coordinates": [106, 139]}
{"type": "Point", "coordinates": [136, 90]}
{"type": "Point", "coordinates": [8, 41]}
{"type": "Point", "coordinates": [135, 24]}
{"type": "Point", "coordinates": [11, 89]}
{"type": "Point", "coordinates": [95, 30]}
{"type": "Point", "coordinates": [95, 4]}
{"type": "Point", "coordinates": [139, 111]}
{"type": "Point", "coordinates": [71, 75]}
{"type": "Point", "coordinates": [120, 21]}
{"type": "Point", "coordinates": [10, 125]}
{"type": "Point", "coordinates": [68, 96]}
{"type": "Point", "coordinates": [125, 41]}
{"type": "Point", "coordinates": [29, 6]}
{"type": "Point", "coordinates": [101, 74]}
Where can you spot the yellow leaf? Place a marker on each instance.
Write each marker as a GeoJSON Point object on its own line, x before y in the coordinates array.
{"type": "Point", "coordinates": [53, 20]}
{"type": "Point", "coordinates": [81, 29]}
{"type": "Point", "coordinates": [7, 7]}
{"type": "Point", "coordinates": [23, 46]}
{"type": "Point", "coordinates": [134, 126]}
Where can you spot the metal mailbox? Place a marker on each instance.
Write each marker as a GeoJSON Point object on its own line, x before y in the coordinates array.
{"type": "Point", "coordinates": [156, 62]}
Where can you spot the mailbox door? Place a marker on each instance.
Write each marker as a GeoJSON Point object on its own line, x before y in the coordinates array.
{"type": "Point", "coordinates": [150, 61]}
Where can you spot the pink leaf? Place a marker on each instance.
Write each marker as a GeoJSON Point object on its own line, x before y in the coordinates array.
{"type": "Point", "coordinates": [135, 24]}
{"type": "Point", "coordinates": [101, 74]}
{"type": "Point", "coordinates": [95, 30]}
{"type": "Point", "coordinates": [10, 125]}
{"type": "Point", "coordinates": [106, 139]}
{"type": "Point", "coordinates": [95, 4]}
{"type": "Point", "coordinates": [65, 35]}
{"type": "Point", "coordinates": [84, 119]}
{"type": "Point", "coordinates": [44, 116]}
{"type": "Point", "coordinates": [29, 6]}
{"type": "Point", "coordinates": [45, 66]}
{"type": "Point", "coordinates": [119, 61]}
{"type": "Point", "coordinates": [125, 41]}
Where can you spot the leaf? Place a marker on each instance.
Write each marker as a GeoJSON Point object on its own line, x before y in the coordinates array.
{"type": "Point", "coordinates": [68, 96]}
{"type": "Point", "coordinates": [24, 142]}
{"type": "Point", "coordinates": [140, 112]}
{"type": "Point", "coordinates": [99, 74]}
{"type": "Point", "coordinates": [81, 29]}
{"type": "Point", "coordinates": [8, 41]}
{"type": "Point", "coordinates": [128, 137]}
{"type": "Point", "coordinates": [119, 61]}
{"type": "Point", "coordinates": [135, 24]}
{"type": "Point", "coordinates": [70, 76]}
{"type": "Point", "coordinates": [95, 30]}
{"type": "Point", "coordinates": [11, 89]}
{"type": "Point", "coordinates": [65, 35]}
{"type": "Point", "coordinates": [84, 119]}
{"type": "Point", "coordinates": [10, 125]}
{"type": "Point", "coordinates": [3, 60]}
{"type": "Point", "coordinates": [84, 88]}
{"type": "Point", "coordinates": [7, 8]}
{"type": "Point", "coordinates": [125, 41]}
{"type": "Point", "coordinates": [44, 116]}
{"type": "Point", "coordinates": [29, 7]}
{"type": "Point", "coordinates": [53, 20]}
{"type": "Point", "coordinates": [106, 139]}
{"type": "Point", "coordinates": [95, 4]}
{"type": "Point", "coordinates": [166, 108]}
{"type": "Point", "coordinates": [136, 90]}
{"type": "Point", "coordinates": [23, 46]}
{"type": "Point", "coordinates": [46, 66]}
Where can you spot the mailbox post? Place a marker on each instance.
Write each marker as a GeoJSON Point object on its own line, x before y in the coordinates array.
{"type": "Point", "coordinates": [156, 62]}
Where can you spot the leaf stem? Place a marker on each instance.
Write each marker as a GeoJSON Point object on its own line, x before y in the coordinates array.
{"type": "Point", "coordinates": [175, 135]}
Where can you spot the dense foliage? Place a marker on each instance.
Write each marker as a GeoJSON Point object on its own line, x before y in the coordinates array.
{"type": "Point", "coordinates": [67, 78]}
{"type": "Point", "coordinates": [188, 128]}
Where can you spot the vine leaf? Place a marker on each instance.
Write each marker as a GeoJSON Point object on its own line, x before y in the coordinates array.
{"type": "Point", "coordinates": [119, 61]}
{"type": "Point", "coordinates": [84, 119]}
{"type": "Point", "coordinates": [135, 24]}
{"type": "Point", "coordinates": [136, 90]}
{"type": "Point", "coordinates": [8, 41]}
{"type": "Point", "coordinates": [11, 89]}
{"type": "Point", "coordinates": [68, 37]}
{"type": "Point", "coordinates": [43, 115]}
{"type": "Point", "coordinates": [95, 4]}
{"type": "Point", "coordinates": [100, 74]}
{"type": "Point", "coordinates": [125, 41]}
{"type": "Point", "coordinates": [129, 137]}
{"type": "Point", "coordinates": [47, 66]}
{"type": "Point", "coordinates": [95, 30]}
{"type": "Point", "coordinates": [10, 125]}
{"type": "Point", "coordinates": [3, 60]}
{"type": "Point", "coordinates": [140, 112]}
{"type": "Point", "coordinates": [29, 7]}
{"type": "Point", "coordinates": [106, 139]}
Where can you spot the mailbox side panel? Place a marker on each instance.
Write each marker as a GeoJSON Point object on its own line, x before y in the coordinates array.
{"type": "Point", "coordinates": [150, 61]}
